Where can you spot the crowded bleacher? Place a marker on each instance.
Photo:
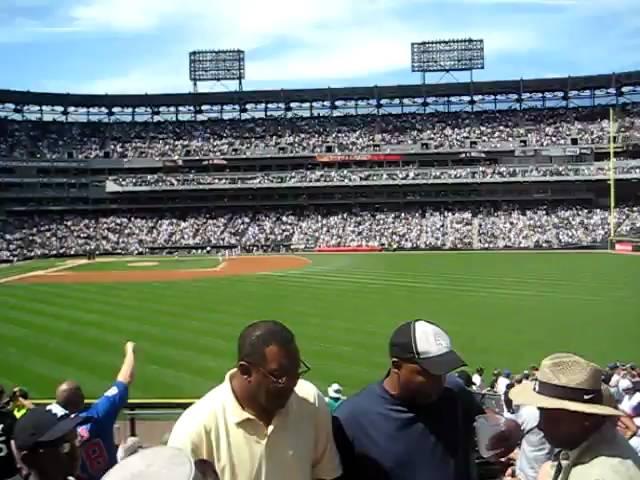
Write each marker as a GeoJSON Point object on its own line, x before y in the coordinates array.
{"type": "Point", "coordinates": [443, 131]}
{"type": "Point", "coordinates": [411, 228]}
{"type": "Point", "coordinates": [623, 167]}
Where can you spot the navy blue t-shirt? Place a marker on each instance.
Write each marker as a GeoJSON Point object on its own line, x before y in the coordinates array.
{"type": "Point", "coordinates": [379, 437]}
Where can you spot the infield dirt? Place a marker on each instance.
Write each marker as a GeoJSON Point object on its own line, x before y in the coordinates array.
{"type": "Point", "coordinates": [231, 266]}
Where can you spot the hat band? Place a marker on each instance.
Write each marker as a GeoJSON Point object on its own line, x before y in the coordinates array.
{"type": "Point", "coordinates": [582, 395]}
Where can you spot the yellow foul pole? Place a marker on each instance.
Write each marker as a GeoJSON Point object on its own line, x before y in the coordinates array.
{"type": "Point", "coordinates": [612, 175]}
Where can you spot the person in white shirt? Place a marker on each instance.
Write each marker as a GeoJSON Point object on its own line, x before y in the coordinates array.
{"type": "Point", "coordinates": [478, 381]}
{"type": "Point", "coordinates": [617, 375]}
{"type": "Point", "coordinates": [503, 381]}
{"type": "Point", "coordinates": [534, 449]}
{"type": "Point", "coordinates": [630, 405]}
{"type": "Point", "coordinates": [630, 398]}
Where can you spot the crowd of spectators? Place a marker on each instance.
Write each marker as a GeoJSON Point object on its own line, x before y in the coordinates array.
{"type": "Point", "coordinates": [564, 416]}
{"type": "Point", "coordinates": [413, 228]}
{"type": "Point", "coordinates": [350, 133]}
{"type": "Point", "coordinates": [621, 381]}
{"type": "Point", "coordinates": [327, 175]}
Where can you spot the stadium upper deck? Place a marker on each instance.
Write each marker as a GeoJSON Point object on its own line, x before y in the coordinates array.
{"type": "Point", "coordinates": [531, 93]}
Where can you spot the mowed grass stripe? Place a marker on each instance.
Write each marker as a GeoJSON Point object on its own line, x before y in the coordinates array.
{"type": "Point", "coordinates": [530, 278]}
{"type": "Point", "coordinates": [493, 287]}
{"type": "Point", "coordinates": [593, 283]}
{"type": "Point", "coordinates": [335, 363]}
{"type": "Point", "coordinates": [343, 327]}
{"type": "Point", "coordinates": [167, 355]}
{"type": "Point", "coordinates": [90, 322]}
{"type": "Point", "coordinates": [51, 359]}
{"type": "Point", "coordinates": [151, 306]}
{"type": "Point", "coordinates": [169, 325]}
{"type": "Point", "coordinates": [97, 337]}
{"type": "Point", "coordinates": [485, 266]}
{"type": "Point", "coordinates": [193, 339]}
{"type": "Point", "coordinates": [484, 290]}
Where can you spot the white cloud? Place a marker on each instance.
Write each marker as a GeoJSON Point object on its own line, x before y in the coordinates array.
{"type": "Point", "coordinates": [214, 16]}
{"type": "Point", "coordinates": [549, 3]}
{"type": "Point", "coordinates": [360, 52]}
{"type": "Point", "coordinates": [319, 39]}
{"type": "Point", "coordinates": [125, 15]}
{"type": "Point", "coordinates": [140, 81]}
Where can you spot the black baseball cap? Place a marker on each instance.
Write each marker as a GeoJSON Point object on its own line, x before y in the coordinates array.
{"type": "Point", "coordinates": [39, 426]}
{"type": "Point", "coordinates": [426, 344]}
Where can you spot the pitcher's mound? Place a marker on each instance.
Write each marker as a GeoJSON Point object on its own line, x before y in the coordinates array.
{"type": "Point", "coordinates": [142, 264]}
{"type": "Point", "coordinates": [231, 266]}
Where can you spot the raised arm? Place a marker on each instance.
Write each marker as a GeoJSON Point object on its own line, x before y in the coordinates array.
{"type": "Point", "coordinates": [127, 370]}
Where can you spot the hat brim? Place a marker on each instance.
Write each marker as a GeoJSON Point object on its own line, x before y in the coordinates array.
{"type": "Point", "coordinates": [62, 428]}
{"type": "Point", "coordinates": [442, 364]}
{"type": "Point", "coordinates": [524, 394]}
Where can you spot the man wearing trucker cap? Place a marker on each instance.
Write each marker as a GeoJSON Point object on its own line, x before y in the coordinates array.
{"type": "Point", "coordinates": [416, 422]}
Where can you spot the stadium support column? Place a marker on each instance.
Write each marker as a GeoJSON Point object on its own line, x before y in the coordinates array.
{"type": "Point", "coordinates": [476, 233]}
{"type": "Point", "coordinates": [612, 176]}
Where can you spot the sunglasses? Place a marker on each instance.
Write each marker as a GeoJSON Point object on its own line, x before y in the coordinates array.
{"type": "Point", "coordinates": [281, 381]}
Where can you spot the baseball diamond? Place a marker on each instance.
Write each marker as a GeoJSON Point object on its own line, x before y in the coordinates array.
{"type": "Point", "coordinates": [340, 305]}
{"type": "Point", "coordinates": [286, 270]}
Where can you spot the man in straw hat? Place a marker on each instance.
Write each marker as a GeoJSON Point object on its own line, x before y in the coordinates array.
{"type": "Point", "coordinates": [574, 418]}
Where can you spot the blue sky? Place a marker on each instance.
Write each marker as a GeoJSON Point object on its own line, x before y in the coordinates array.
{"type": "Point", "coordinates": [129, 46]}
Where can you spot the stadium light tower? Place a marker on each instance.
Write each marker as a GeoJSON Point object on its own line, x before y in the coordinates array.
{"type": "Point", "coordinates": [447, 56]}
{"type": "Point", "coordinates": [216, 66]}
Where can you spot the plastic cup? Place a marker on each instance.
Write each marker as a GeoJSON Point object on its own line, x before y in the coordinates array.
{"type": "Point", "coordinates": [486, 427]}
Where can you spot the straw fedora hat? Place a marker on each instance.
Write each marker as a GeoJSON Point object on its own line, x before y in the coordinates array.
{"type": "Point", "coordinates": [567, 382]}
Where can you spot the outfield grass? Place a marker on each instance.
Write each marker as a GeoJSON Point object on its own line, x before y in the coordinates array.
{"type": "Point", "coordinates": [11, 270]}
{"type": "Point", "coordinates": [501, 309]}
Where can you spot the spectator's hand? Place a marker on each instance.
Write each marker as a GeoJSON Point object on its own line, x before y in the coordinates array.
{"type": "Point", "coordinates": [510, 473]}
{"type": "Point", "coordinates": [627, 427]}
{"type": "Point", "coordinates": [23, 403]}
{"type": "Point", "coordinates": [23, 471]}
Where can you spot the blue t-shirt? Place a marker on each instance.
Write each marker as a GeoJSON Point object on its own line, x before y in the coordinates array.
{"type": "Point", "coordinates": [378, 437]}
{"type": "Point", "coordinates": [98, 449]}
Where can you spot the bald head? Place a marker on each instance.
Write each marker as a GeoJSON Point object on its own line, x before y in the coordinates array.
{"type": "Point", "coordinates": [70, 397]}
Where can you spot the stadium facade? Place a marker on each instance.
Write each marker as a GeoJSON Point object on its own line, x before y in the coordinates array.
{"type": "Point", "coordinates": [36, 181]}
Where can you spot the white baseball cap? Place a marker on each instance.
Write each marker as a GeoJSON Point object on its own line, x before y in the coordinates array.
{"type": "Point", "coordinates": [334, 390]}
{"type": "Point", "coordinates": [427, 345]}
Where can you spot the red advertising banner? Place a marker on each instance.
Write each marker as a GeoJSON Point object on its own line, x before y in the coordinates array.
{"type": "Point", "coordinates": [354, 249]}
{"type": "Point", "coordinates": [624, 247]}
{"type": "Point", "coordinates": [360, 157]}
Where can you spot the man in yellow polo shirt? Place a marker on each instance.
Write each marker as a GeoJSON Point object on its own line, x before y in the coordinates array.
{"type": "Point", "coordinates": [263, 422]}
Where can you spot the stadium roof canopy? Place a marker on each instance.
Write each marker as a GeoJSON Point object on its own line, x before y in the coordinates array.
{"type": "Point", "coordinates": [615, 81]}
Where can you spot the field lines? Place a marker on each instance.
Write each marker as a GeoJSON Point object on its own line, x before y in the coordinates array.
{"type": "Point", "coordinates": [12, 269]}
{"type": "Point", "coordinates": [501, 310]}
